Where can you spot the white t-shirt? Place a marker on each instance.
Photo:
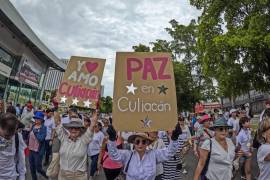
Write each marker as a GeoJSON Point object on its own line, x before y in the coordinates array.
{"type": "Point", "coordinates": [220, 164]}
{"type": "Point", "coordinates": [96, 143]}
{"type": "Point", "coordinates": [264, 166]}
{"type": "Point", "coordinates": [234, 123]}
{"type": "Point", "coordinates": [49, 123]}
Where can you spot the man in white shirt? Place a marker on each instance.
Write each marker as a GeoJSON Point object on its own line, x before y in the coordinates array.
{"type": "Point", "coordinates": [12, 158]}
{"type": "Point", "coordinates": [49, 123]}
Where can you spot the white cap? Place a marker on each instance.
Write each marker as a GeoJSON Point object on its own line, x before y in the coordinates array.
{"type": "Point", "coordinates": [232, 111]}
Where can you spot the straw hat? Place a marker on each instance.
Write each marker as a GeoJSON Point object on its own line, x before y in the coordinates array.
{"type": "Point", "coordinates": [141, 135]}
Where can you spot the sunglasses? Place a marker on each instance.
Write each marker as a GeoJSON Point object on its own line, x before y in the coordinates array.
{"type": "Point", "coordinates": [142, 141]}
{"type": "Point", "coordinates": [222, 129]}
{"type": "Point", "coordinates": [76, 128]}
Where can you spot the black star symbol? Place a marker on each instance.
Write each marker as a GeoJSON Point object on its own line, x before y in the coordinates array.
{"type": "Point", "coordinates": [162, 89]}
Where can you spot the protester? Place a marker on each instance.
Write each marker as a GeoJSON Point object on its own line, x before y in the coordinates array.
{"type": "Point", "coordinates": [234, 122]}
{"type": "Point", "coordinates": [73, 149]}
{"type": "Point", "coordinates": [86, 122]}
{"type": "Point", "coordinates": [202, 133]}
{"type": "Point", "coordinates": [244, 141]}
{"type": "Point", "coordinates": [173, 166]}
{"type": "Point", "coordinates": [95, 147]}
{"type": "Point", "coordinates": [216, 154]}
{"type": "Point", "coordinates": [157, 144]}
{"type": "Point", "coordinates": [18, 110]}
{"type": "Point", "coordinates": [53, 168]}
{"type": "Point", "coordinates": [186, 139]}
{"type": "Point", "coordinates": [263, 154]}
{"type": "Point", "coordinates": [26, 119]}
{"type": "Point", "coordinates": [12, 157]}
{"type": "Point", "coordinates": [140, 164]}
{"type": "Point", "coordinates": [267, 106]}
{"type": "Point", "coordinates": [106, 124]}
{"type": "Point", "coordinates": [37, 146]}
{"type": "Point", "coordinates": [50, 125]}
{"type": "Point", "coordinates": [111, 169]}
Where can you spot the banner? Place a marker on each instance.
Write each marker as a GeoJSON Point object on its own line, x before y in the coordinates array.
{"type": "Point", "coordinates": [144, 92]}
{"type": "Point", "coordinates": [29, 74]}
{"type": "Point", "coordinates": [81, 82]}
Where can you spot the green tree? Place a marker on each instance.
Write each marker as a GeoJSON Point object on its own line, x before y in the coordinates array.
{"type": "Point", "coordinates": [141, 48]}
{"type": "Point", "coordinates": [105, 104]}
{"type": "Point", "coordinates": [191, 85]}
{"type": "Point", "coordinates": [234, 44]}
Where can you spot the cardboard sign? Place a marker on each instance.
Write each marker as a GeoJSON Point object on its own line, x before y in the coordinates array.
{"type": "Point", "coordinates": [81, 82]}
{"type": "Point", "coordinates": [144, 92]}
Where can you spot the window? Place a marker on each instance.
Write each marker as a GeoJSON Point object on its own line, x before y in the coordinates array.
{"type": "Point", "coordinates": [5, 58]}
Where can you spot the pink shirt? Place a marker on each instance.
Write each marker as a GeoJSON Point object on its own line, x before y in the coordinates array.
{"type": "Point", "coordinates": [109, 164]}
{"type": "Point", "coordinates": [33, 142]}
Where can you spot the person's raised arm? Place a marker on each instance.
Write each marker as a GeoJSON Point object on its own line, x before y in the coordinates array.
{"type": "Point", "coordinates": [114, 153]}
{"type": "Point", "coordinates": [61, 134]}
{"type": "Point", "coordinates": [87, 136]}
{"type": "Point", "coordinates": [165, 153]}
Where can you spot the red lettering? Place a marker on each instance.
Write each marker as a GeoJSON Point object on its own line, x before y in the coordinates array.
{"type": "Point", "coordinates": [149, 68]}
{"type": "Point", "coordinates": [131, 68]}
{"type": "Point", "coordinates": [164, 61]}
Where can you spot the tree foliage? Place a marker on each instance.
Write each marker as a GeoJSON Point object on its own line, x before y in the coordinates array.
{"type": "Point", "coordinates": [234, 44]}
{"type": "Point", "coordinates": [105, 104]}
{"type": "Point", "coordinates": [191, 85]}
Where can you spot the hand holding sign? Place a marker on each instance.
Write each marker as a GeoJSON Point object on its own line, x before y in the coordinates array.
{"type": "Point", "coordinates": [81, 82]}
{"type": "Point", "coordinates": [144, 92]}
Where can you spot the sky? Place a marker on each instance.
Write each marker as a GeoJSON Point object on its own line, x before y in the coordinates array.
{"type": "Point", "coordinates": [100, 28]}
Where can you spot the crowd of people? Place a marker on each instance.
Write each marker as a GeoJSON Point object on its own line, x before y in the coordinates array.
{"type": "Point", "coordinates": [75, 145]}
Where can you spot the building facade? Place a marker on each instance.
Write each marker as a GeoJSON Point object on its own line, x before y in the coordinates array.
{"type": "Point", "coordinates": [54, 77]}
{"type": "Point", "coordinates": [256, 100]}
{"type": "Point", "coordinates": [24, 59]}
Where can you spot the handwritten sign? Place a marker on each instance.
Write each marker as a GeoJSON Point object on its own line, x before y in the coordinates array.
{"type": "Point", "coordinates": [81, 82]}
{"type": "Point", "coordinates": [144, 92]}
